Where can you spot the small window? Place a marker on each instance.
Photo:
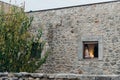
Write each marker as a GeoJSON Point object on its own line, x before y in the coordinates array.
{"type": "Point", "coordinates": [90, 49]}
{"type": "Point", "coordinates": [90, 46]}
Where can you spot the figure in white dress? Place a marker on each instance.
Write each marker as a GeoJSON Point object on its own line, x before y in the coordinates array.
{"type": "Point", "coordinates": [87, 54]}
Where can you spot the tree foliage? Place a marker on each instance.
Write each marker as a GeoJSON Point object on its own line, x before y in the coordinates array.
{"type": "Point", "coordinates": [18, 49]}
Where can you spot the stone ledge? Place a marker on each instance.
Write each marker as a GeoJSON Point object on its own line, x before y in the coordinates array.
{"type": "Point", "coordinates": [56, 76]}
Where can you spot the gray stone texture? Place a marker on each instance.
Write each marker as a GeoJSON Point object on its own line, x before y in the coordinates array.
{"type": "Point", "coordinates": [63, 29]}
{"type": "Point", "coordinates": [61, 76]}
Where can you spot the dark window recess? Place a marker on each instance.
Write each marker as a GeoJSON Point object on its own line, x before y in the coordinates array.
{"type": "Point", "coordinates": [90, 49]}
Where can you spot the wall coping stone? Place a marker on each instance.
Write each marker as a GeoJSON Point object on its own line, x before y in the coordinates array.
{"type": "Point", "coordinates": [55, 75]}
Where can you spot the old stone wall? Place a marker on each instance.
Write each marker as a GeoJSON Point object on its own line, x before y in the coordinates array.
{"type": "Point", "coordinates": [6, 7]}
{"type": "Point", "coordinates": [63, 29]}
{"type": "Point", "coordinates": [39, 76]}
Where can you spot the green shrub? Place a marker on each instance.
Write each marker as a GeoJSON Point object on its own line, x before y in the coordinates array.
{"type": "Point", "coordinates": [19, 51]}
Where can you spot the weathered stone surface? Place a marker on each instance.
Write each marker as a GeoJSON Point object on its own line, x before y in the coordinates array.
{"type": "Point", "coordinates": [61, 76]}
{"type": "Point", "coordinates": [4, 74]}
{"type": "Point", "coordinates": [63, 29]}
{"type": "Point", "coordinates": [36, 75]}
{"type": "Point", "coordinates": [102, 78]}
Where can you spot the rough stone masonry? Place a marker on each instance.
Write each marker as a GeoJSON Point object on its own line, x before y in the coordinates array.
{"type": "Point", "coordinates": [40, 76]}
{"type": "Point", "coordinates": [64, 30]}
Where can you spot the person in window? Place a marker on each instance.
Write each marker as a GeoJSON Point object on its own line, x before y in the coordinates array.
{"type": "Point", "coordinates": [87, 54]}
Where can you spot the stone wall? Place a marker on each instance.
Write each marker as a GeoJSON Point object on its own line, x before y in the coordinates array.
{"type": "Point", "coordinates": [63, 29]}
{"type": "Point", "coordinates": [39, 76]}
{"type": "Point", "coordinates": [6, 7]}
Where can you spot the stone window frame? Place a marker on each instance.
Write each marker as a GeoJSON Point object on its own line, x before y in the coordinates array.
{"type": "Point", "coordinates": [90, 38]}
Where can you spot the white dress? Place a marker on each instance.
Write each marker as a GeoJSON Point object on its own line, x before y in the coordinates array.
{"type": "Point", "coordinates": [87, 53]}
